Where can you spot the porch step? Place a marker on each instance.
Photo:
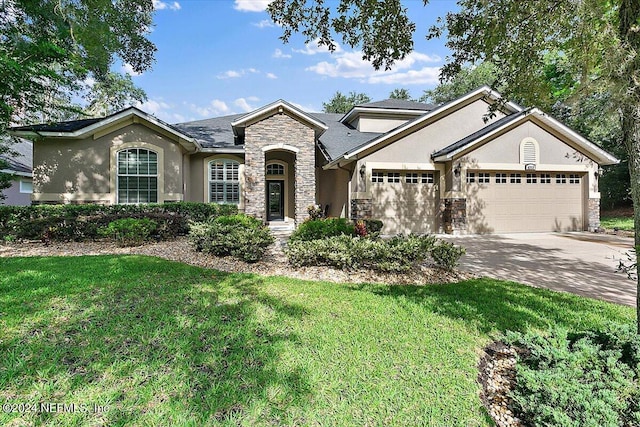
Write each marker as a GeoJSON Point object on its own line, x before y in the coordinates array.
{"type": "Point", "coordinates": [280, 226]}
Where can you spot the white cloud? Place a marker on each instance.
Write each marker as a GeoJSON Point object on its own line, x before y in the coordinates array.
{"type": "Point", "coordinates": [271, 76]}
{"type": "Point", "coordinates": [127, 68]}
{"type": "Point", "coordinates": [427, 76]}
{"type": "Point", "coordinates": [350, 65]}
{"type": "Point", "coordinates": [243, 103]}
{"type": "Point", "coordinates": [279, 54]}
{"type": "Point", "coordinates": [161, 5]}
{"type": "Point", "coordinates": [251, 5]}
{"type": "Point", "coordinates": [160, 109]}
{"type": "Point", "coordinates": [233, 74]}
{"type": "Point", "coordinates": [265, 23]}
{"type": "Point", "coordinates": [313, 47]}
{"type": "Point", "coordinates": [214, 108]}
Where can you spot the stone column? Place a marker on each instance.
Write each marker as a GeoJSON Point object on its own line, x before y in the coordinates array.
{"type": "Point", "coordinates": [454, 216]}
{"type": "Point", "coordinates": [594, 215]}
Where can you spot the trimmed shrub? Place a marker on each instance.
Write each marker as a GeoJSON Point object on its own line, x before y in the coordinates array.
{"type": "Point", "coordinates": [130, 231]}
{"type": "Point", "coordinates": [584, 379]}
{"type": "Point", "coordinates": [323, 228]}
{"type": "Point", "coordinates": [240, 236]}
{"type": "Point", "coordinates": [348, 252]}
{"type": "Point", "coordinates": [373, 225]}
{"type": "Point", "coordinates": [447, 255]}
{"type": "Point", "coordinates": [81, 222]}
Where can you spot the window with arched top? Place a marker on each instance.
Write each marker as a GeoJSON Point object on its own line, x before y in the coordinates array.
{"type": "Point", "coordinates": [137, 176]}
{"type": "Point", "coordinates": [224, 181]}
{"type": "Point", "coordinates": [529, 152]}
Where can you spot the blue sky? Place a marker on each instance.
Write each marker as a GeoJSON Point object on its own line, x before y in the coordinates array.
{"type": "Point", "coordinates": [218, 57]}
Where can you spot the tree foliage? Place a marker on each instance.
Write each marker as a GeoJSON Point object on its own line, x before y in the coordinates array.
{"type": "Point", "coordinates": [113, 93]}
{"type": "Point", "coordinates": [48, 48]}
{"type": "Point", "coordinates": [341, 103]}
{"type": "Point", "coordinates": [400, 93]}
{"type": "Point", "coordinates": [467, 79]}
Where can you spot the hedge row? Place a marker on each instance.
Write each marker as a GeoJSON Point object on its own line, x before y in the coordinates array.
{"type": "Point", "coordinates": [82, 222]}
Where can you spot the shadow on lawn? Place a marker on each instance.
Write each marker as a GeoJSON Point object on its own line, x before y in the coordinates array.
{"type": "Point", "coordinates": [148, 337]}
{"type": "Point", "coordinates": [495, 306]}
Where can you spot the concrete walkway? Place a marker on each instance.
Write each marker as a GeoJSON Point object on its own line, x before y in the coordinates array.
{"type": "Point", "coordinates": [581, 263]}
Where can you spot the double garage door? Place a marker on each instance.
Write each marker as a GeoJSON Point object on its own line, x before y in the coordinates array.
{"type": "Point", "coordinates": [497, 202]}
{"type": "Point", "coordinates": [508, 202]}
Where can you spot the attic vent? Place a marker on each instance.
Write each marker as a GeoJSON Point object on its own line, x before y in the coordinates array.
{"type": "Point", "coordinates": [529, 151]}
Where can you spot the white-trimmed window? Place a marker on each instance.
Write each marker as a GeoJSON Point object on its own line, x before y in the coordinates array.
{"type": "Point", "coordinates": [224, 181]}
{"type": "Point", "coordinates": [471, 177]}
{"type": "Point", "coordinates": [545, 178]}
{"type": "Point", "coordinates": [427, 178]}
{"type": "Point", "coordinates": [26, 186]}
{"type": "Point", "coordinates": [501, 178]}
{"type": "Point", "coordinates": [377, 177]}
{"type": "Point", "coordinates": [574, 179]}
{"type": "Point", "coordinates": [483, 178]}
{"type": "Point", "coordinates": [561, 178]}
{"type": "Point", "coordinates": [532, 178]}
{"type": "Point", "coordinates": [411, 178]}
{"type": "Point", "coordinates": [137, 176]}
{"type": "Point", "coordinates": [393, 177]}
{"type": "Point", "coordinates": [275, 169]}
{"type": "Point", "coordinates": [515, 178]}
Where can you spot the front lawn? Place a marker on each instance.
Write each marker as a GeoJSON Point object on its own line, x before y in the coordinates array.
{"type": "Point", "coordinates": [155, 342]}
{"type": "Point", "coordinates": [617, 223]}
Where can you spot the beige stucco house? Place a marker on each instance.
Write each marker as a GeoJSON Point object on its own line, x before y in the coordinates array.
{"type": "Point", "coordinates": [417, 167]}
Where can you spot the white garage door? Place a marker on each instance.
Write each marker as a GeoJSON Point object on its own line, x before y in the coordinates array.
{"type": "Point", "coordinates": [405, 201]}
{"type": "Point", "coordinates": [507, 202]}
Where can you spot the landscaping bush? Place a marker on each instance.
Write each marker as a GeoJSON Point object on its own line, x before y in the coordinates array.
{"type": "Point", "coordinates": [81, 222]}
{"type": "Point", "coordinates": [373, 225]}
{"type": "Point", "coordinates": [130, 231]}
{"type": "Point", "coordinates": [348, 252]}
{"type": "Point", "coordinates": [583, 379]}
{"type": "Point", "coordinates": [240, 236]}
{"type": "Point", "coordinates": [447, 255]}
{"type": "Point", "coordinates": [323, 228]}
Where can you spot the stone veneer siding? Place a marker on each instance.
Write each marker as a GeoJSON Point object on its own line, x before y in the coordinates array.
{"type": "Point", "coordinates": [454, 216]}
{"type": "Point", "coordinates": [594, 215]}
{"type": "Point", "coordinates": [361, 209]}
{"type": "Point", "coordinates": [279, 129]}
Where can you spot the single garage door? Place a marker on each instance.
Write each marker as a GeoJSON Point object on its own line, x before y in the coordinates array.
{"type": "Point", "coordinates": [405, 201]}
{"type": "Point", "coordinates": [508, 202]}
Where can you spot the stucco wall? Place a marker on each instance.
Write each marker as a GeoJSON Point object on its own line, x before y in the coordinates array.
{"type": "Point", "coordinates": [418, 146]}
{"type": "Point", "coordinates": [506, 147]}
{"type": "Point", "coordinates": [333, 190]}
{"type": "Point", "coordinates": [13, 196]}
{"type": "Point", "coordinates": [67, 170]}
{"type": "Point", "coordinates": [370, 123]}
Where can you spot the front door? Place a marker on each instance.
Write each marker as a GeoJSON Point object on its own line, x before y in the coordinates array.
{"type": "Point", "coordinates": [275, 200]}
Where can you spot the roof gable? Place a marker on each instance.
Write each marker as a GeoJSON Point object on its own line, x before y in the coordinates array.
{"type": "Point", "coordinates": [80, 129]}
{"type": "Point", "coordinates": [486, 134]}
{"type": "Point", "coordinates": [484, 92]}
{"type": "Point", "coordinates": [277, 107]}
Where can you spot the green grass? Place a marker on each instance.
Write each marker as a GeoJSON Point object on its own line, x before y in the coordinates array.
{"type": "Point", "coordinates": [617, 222]}
{"type": "Point", "coordinates": [162, 343]}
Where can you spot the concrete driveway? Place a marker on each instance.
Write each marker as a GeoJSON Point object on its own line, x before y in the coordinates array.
{"type": "Point", "coordinates": [581, 263]}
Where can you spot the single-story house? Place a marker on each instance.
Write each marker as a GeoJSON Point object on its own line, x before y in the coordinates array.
{"type": "Point", "coordinates": [417, 167]}
{"type": "Point", "coordinates": [18, 165]}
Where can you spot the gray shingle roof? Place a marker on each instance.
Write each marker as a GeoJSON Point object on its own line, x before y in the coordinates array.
{"type": "Point", "coordinates": [339, 138]}
{"type": "Point", "coordinates": [398, 104]}
{"type": "Point", "coordinates": [211, 133]}
{"type": "Point", "coordinates": [22, 161]}
{"type": "Point", "coordinates": [68, 126]}
{"type": "Point", "coordinates": [479, 134]}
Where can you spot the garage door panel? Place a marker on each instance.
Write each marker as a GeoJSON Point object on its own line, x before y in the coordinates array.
{"type": "Point", "coordinates": [405, 207]}
{"type": "Point", "coordinates": [513, 207]}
